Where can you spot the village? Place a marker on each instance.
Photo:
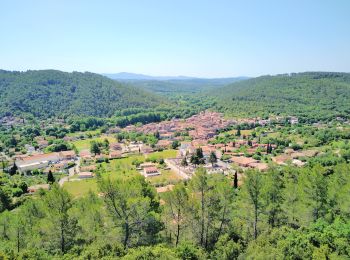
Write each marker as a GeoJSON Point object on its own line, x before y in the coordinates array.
{"type": "Point", "coordinates": [204, 140]}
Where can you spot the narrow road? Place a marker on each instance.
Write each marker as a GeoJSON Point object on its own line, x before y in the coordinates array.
{"type": "Point", "coordinates": [176, 169]}
{"type": "Point", "coordinates": [224, 164]}
{"type": "Point", "coordinates": [71, 172]}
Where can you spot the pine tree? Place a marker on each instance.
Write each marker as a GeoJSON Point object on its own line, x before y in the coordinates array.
{"type": "Point", "coordinates": [270, 149]}
{"type": "Point", "coordinates": [106, 143]}
{"type": "Point", "coordinates": [273, 188]}
{"type": "Point", "coordinates": [251, 195]}
{"type": "Point", "coordinates": [199, 185]}
{"type": "Point", "coordinates": [95, 149]}
{"type": "Point", "coordinates": [3, 165]}
{"type": "Point", "coordinates": [13, 169]}
{"type": "Point", "coordinates": [130, 203]}
{"type": "Point", "coordinates": [213, 159]}
{"type": "Point", "coordinates": [58, 202]}
{"type": "Point", "coordinates": [238, 131]}
{"type": "Point", "coordinates": [50, 177]}
{"type": "Point", "coordinates": [156, 135]}
{"type": "Point", "coordinates": [199, 153]}
{"type": "Point", "coordinates": [235, 180]}
{"type": "Point", "coordinates": [177, 203]}
{"type": "Point", "coordinates": [184, 162]}
{"type": "Point", "coordinates": [194, 159]}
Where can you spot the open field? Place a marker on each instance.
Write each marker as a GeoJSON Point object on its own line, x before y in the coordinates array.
{"type": "Point", "coordinates": [163, 154]}
{"type": "Point", "coordinates": [80, 188]}
{"type": "Point", "coordinates": [166, 177]}
{"type": "Point", "coordinates": [243, 132]}
{"type": "Point", "coordinates": [91, 132]}
{"type": "Point", "coordinates": [85, 144]}
{"type": "Point", "coordinates": [117, 167]}
{"type": "Point", "coordinates": [123, 167]}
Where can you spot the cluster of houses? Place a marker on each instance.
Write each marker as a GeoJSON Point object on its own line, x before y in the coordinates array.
{"type": "Point", "coordinates": [55, 161]}
{"type": "Point", "coordinates": [201, 129]}
{"type": "Point", "coordinates": [248, 162]}
{"type": "Point", "coordinates": [201, 126]}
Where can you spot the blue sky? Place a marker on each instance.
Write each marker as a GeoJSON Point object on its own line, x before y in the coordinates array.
{"type": "Point", "coordinates": [174, 37]}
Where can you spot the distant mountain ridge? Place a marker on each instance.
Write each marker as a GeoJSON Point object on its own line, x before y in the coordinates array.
{"type": "Point", "coordinates": [172, 85]}
{"type": "Point", "coordinates": [136, 76]}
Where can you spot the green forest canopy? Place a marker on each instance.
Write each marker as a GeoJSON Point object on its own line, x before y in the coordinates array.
{"type": "Point", "coordinates": [52, 93]}
{"type": "Point", "coordinates": [311, 95]}
{"type": "Point", "coordinates": [49, 93]}
{"type": "Point", "coordinates": [285, 213]}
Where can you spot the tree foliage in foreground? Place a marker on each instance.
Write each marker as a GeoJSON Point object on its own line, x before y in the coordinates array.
{"type": "Point", "coordinates": [294, 213]}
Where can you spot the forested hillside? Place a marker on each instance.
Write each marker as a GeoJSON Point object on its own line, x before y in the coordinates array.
{"type": "Point", "coordinates": [172, 87]}
{"type": "Point", "coordinates": [311, 95]}
{"type": "Point", "coordinates": [49, 93]}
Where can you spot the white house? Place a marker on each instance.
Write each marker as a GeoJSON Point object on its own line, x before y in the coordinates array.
{"type": "Point", "coordinates": [38, 161]}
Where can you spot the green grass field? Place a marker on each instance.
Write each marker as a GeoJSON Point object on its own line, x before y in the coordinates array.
{"type": "Point", "coordinates": [123, 167]}
{"type": "Point", "coordinates": [85, 144]}
{"type": "Point", "coordinates": [163, 154]}
{"type": "Point", "coordinates": [117, 167]}
{"type": "Point", "coordinates": [91, 132]}
{"type": "Point", "coordinates": [166, 177]}
{"type": "Point", "coordinates": [81, 188]}
{"type": "Point", "coordinates": [243, 132]}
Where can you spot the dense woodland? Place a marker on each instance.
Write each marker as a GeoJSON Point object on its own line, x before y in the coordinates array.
{"type": "Point", "coordinates": [90, 100]}
{"type": "Point", "coordinates": [51, 93]}
{"type": "Point", "coordinates": [181, 86]}
{"type": "Point", "coordinates": [289, 212]}
{"type": "Point", "coordinates": [312, 96]}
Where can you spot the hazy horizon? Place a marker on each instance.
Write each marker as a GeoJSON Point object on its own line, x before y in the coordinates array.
{"type": "Point", "coordinates": [175, 75]}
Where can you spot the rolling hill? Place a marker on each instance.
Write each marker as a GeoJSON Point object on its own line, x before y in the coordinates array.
{"type": "Point", "coordinates": [310, 95]}
{"type": "Point", "coordinates": [186, 86]}
{"type": "Point", "coordinates": [52, 93]}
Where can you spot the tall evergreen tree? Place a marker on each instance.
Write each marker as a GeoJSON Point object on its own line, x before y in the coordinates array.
{"type": "Point", "coordinates": [184, 162]}
{"type": "Point", "coordinates": [94, 148]}
{"type": "Point", "coordinates": [313, 191]}
{"type": "Point", "coordinates": [273, 198]}
{"type": "Point", "coordinates": [50, 177]}
{"type": "Point", "coordinates": [199, 184]}
{"type": "Point", "coordinates": [13, 169]}
{"type": "Point", "coordinates": [235, 180]}
{"type": "Point", "coordinates": [130, 210]}
{"type": "Point", "coordinates": [62, 226]}
{"type": "Point", "coordinates": [177, 207]}
{"type": "Point", "coordinates": [251, 199]}
{"type": "Point", "coordinates": [212, 158]}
